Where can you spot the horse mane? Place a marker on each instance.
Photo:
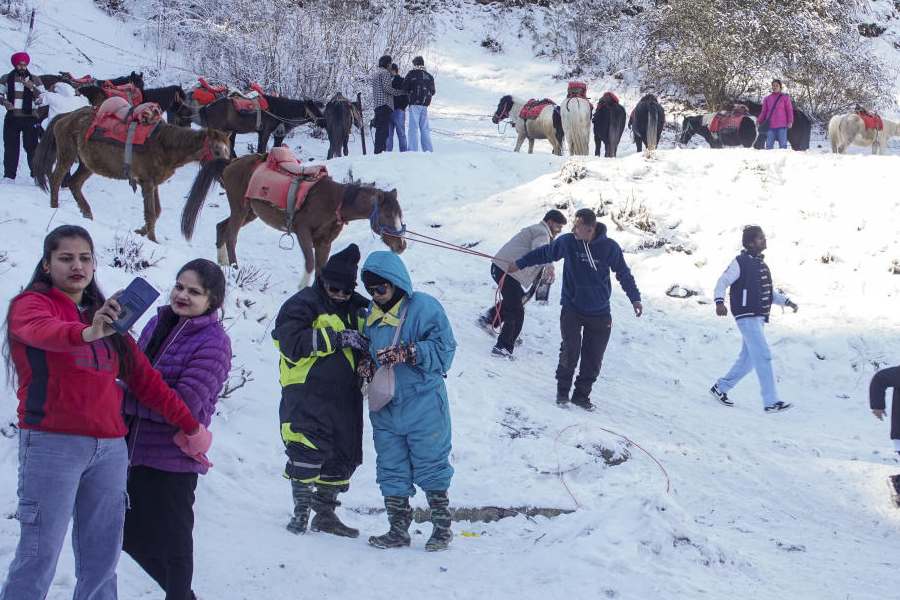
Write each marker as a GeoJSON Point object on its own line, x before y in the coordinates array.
{"type": "Point", "coordinates": [649, 98]}
{"type": "Point", "coordinates": [173, 136]}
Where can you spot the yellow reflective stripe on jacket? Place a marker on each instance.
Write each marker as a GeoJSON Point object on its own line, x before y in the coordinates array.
{"type": "Point", "coordinates": [391, 317]}
{"type": "Point", "coordinates": [288, 436]}
{"type": "Point", "coordinates": [320, 481]}
{"type": "Point", "coordinates": [291, 372]}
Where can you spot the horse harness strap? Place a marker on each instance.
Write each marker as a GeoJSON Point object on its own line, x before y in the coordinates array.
{"type": "Point", "coordinates": [291, 208]}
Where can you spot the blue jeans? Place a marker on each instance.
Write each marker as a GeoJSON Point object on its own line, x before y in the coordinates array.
{"type": "Point", "coordinates": [755, 355]}
{"type": "Point", "coordinates": [418, 124]}
{"type": "Point", "coordinates": [60, 477]}
{"type": "Point", "coordinates": [780, 134]}
{"type": "Point", "coordinates": [398, 126]}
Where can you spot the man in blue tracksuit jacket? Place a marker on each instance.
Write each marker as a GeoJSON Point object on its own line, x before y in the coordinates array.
{"type": "Point", "coordinates": [412, 432]}
{"type": "Point", "coordinates": [590, 256]}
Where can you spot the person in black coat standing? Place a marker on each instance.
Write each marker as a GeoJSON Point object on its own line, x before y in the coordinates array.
{"type": "Point", "coordinates": [383, 100]}
{"type": "Point", "coordinates": [22, 92]}
{"type": "Point", "coordinates": [398, 117]}
{"type": "Point", "coordinates": [881, 381]}
{"type": "Point", "coordinates": [420, 89]}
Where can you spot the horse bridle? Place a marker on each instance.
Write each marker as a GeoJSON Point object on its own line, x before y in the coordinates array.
{"type": "Point", "coordinates": [506, 110]}
{"type": "Point", "coordinates": [381, 229]}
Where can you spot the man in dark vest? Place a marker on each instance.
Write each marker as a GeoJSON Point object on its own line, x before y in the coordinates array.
{"type": "Point", "coordinates": [22, 91]}
{"type": "Point", "coordinates": [751, 295]}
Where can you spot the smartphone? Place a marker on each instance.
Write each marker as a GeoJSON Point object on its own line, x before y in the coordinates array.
{"type": "Point", "coordinates": [135, 300]}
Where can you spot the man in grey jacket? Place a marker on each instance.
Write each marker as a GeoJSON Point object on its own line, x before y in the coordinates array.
{"type": "Point", "coordinates": [514, 285]}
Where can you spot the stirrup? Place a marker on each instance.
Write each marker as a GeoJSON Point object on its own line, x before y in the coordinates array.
{"type": "Point", "coordinates": [282, 244]}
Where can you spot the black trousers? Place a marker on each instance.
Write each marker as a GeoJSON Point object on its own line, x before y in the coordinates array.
{"type": "Point", "coordinates": [159, 527]}
{"type": "Point", "coordinates": [512, 311]}
{"type": "Point", "coordinates": [584, 337]}
{"type": "Point", "coordinates": [881, 381]}
{"type": "Point", "coordinates": [382, 126]}
{"type": "Point", "coordinates": [14, 128]}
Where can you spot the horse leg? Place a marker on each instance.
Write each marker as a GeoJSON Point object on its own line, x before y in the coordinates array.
{"type": "Point", "coordinates": [531, 146]}
{"type": "Point", "coordinates": [148, 191]}
{"type": "Point", "coordinates": [232, 139]}
{"type": "Point", "coordinates": [304, 236]}
{"type": "Point", "coordinates": [262, 143]}
{"type": "Point", "coordinates": [519, 142]}
{"type": "Point", "coordinates": [221, 235]}
{"type": "Point", "coordinates": [75, 182]}
{"type": "Point", "coordinates": [323, 251]}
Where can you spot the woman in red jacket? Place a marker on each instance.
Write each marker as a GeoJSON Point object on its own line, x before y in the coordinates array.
{"type": "Point", "coordinates": [72, 453]}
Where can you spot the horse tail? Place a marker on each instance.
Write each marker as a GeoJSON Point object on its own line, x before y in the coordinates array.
{"type": "Point", "coordinates": [45, 156]}
{"type": "Point", "coordinates": [652, 133]}
{"type": "Point", "coordinates": [209, 172]}
{"type": "Point", "coordinates": [558, 127]}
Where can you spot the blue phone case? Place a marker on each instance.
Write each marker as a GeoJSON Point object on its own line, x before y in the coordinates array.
{"type": "Point", "coordinates": [135, 300]}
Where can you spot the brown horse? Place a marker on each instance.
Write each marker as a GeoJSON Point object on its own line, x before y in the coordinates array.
{"type": "Point", "coordinates": [168, 149]}
{"type": "Point", "coordinates": [327, 208]}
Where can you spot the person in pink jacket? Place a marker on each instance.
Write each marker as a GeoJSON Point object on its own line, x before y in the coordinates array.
{"type": "Point", "coordinates": [777, 116]}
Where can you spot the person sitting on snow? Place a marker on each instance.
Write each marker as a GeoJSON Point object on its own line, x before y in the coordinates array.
{"type": "Point", "coordinates": [751, 295]}
{"type": "Point", "coordinates": [512, 306]}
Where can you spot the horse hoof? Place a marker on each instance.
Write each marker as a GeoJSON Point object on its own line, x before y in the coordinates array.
{"type": "Point", "coordinates": [88, 215]}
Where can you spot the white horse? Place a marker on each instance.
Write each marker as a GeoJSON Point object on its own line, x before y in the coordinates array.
{"type": "Point", "coordinates": [576, 124]}
{"type": "Point", "coordinates": [547, 126]}
{"type": "Point", "coordinates": [850, 129]}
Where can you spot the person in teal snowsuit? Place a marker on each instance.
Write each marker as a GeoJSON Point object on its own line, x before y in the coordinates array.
{"type": "Point", "coordinates": [412, 433]}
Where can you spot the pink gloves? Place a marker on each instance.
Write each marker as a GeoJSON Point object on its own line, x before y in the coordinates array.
{"type": "Point", "coordinates": [196, 444]}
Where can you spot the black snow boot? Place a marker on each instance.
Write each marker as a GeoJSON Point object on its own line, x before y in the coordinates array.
{"type": "Point", "coordinates": [399, 514]}
{"type": "Point", "coordinates": [303, 498]}
{"type": "Point", "coordinates": [325, 519]}
{"type": "Point", "coordinates": [894, 485]}
{"type": "Point", "coordinates": [440, 518]}
{"type": "Point", "coordinates": [582, 401]}
{"type": "Point", "coordinates": [562, 394]}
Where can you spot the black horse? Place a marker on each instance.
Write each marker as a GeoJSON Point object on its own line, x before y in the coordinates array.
{"type": "Point", "coordinates": [646, 122]}
{"type": "Point", "coordinates": [798, 135]}
{"type": "Point", "coordinates": [283, 115]}
{"type": "Point", "coordinates": [609, 123]}
{"type": "Point", "coordinates": [744, 135]}
{"type": "Point", "coordinates": [172, 100]}
{"type": "Point", "coordinates": [50, 80]}
{"type": "Point", "coordinates": [340, 116]}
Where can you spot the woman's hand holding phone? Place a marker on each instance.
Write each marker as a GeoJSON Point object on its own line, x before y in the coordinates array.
{"type": "Point", "coordinates": [101, 326]}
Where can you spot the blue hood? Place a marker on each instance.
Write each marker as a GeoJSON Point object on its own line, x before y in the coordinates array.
{"type": "Point", "coordinates": [388, 265]}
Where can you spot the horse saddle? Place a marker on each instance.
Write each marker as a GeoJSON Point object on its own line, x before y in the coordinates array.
{"type": "Point", "coordinates": [128, 91]}
{"type": "Point", "coordinates": [281, 177]}
{"type": "Point", "coordinates": [117, 121]}
{"type": "Point", "coordinates": [533, 108]}
{"type": "Point", "coordinates": [725, 121]}
{"type": "Point", "coordinates": [576, 89]}
{"type": "Point", "coordinates": [78, 81]}
{"type": "Point", "coordinates": [871, 120]}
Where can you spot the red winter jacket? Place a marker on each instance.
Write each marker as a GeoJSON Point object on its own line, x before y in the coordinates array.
{"type": "Point", "coordinates": [67, 385]}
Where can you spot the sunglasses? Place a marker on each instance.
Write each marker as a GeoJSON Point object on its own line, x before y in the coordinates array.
{"type": "Point", "coordinates": [338, 290]}
{"type": "Point", "coordinates": [380, 289]}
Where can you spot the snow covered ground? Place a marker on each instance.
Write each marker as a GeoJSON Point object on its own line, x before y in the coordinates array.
{"type": "Point", "coordinates": [792, 505]}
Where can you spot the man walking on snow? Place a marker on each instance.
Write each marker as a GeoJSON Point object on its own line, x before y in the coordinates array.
{"type": "Point", "coordinates": [590, 256]}
{"type": "Point", "coordinates": [751, 295]}
{"type": "Point", "coordinates": [512, 307]}
{"type": "Point", "coordinates": [420, 89]}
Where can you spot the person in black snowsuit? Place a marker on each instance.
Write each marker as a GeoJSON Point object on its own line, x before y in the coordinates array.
{"type": "Point", "coordinates": [22, 90]}
{"type": "Point", "coordinates": [881, 381]}
{"type": "Point", "coordinates": [318, 335]}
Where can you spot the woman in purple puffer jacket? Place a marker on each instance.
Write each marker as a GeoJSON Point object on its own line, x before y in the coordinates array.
{"type": "Point", "coordinates": [186, 342]}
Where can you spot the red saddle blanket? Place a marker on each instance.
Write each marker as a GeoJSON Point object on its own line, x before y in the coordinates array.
{"type": "Point", "coordinates": [114, 117]}
{"type": "Point", "coordinates": [872, 121]}
{"type": "Point", "coordinates": [726, 121]}
{"type": "Point", "coordinates": [245, 105]}
{"type": "Point", "coordinates": [609, 98]}
{"type": "Point", "coordinates": [533, 108]}
{"type": "Point", "coordinates": [272, 179]}
{"type": "Point", "coordinates": [85, 80]}
{"type": "Point", "coordinates": [576, 89]}
{"type": "Point", "coordinates": [207, 93]}
{"type": "Point", "coordinates": [128, 91]}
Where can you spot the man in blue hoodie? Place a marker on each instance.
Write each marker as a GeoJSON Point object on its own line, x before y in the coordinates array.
{"type": "Point", "coordinates": [590, 256]}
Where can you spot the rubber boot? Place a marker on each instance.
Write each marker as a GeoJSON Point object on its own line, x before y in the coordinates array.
{"type": "Point", "coordinates": [325, 519]}
{"type": "Point", "coordinates": [303, 498]}
{"type": "Point", "coordinates": [399, 515]}
{"type": "Point", "coordinates": [440, 518]}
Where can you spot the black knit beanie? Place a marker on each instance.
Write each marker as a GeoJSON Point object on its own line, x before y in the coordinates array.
{"type": "Point", "coordinates": [340, 269]}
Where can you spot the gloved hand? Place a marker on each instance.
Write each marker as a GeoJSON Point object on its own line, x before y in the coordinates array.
{"type": "Point", "coordinates": [401, 353]}
{"type": "Point", "coordinates": [365, 368]}
{"type": "Point", "coordinates": [196, 444]}
{"type": "Point", "coordinates": [354, 339]}
{"type": "Point", "coordinates": [334, 339]}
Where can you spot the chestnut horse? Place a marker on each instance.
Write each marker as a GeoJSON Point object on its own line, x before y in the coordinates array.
{"type": "Point", "coordinates": [328, 206]}
{"type": "Point", "coordinates": [152, 164]}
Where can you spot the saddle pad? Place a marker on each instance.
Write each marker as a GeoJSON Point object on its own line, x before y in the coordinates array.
{"type": "Point", "coordinates": [726, 122]}
{"type": "Point", "coordinates": [609, 98]}
{"type": "Point", "coordinates": [129, 91]}
{"type": "Point", "coordinates": [872, 121]}
{"type": "Point", "coordinates": [203, 96]}
{"type": "Point", "coordinates": [215, 89]}
{"type": "Point", "coordinates": [245, 105]}
{"type": "Point", "coordinates": [271, 180]}
{"type": "Point", "coordinates": [533, 108]}
{"type": "Point", "coordinates": [86, 80]}
{"type": "Point", "coordinates": [115, 115]}
{"type": "Point", "coordinates": [577, 89]}
{"type": "Point", "coordinates": [261, 95]}
{"type": "Point", "coordinates": [111, 129]}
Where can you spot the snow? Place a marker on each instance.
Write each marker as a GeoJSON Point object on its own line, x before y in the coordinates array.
{"type": "Point", "coordinates": [792, 505]}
